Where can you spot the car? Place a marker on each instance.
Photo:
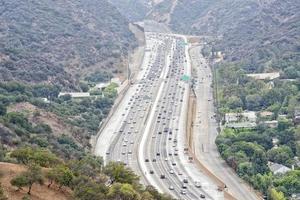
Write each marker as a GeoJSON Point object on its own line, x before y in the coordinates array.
{"type": "Point", "coordinates": [124, 144]}
{"type": "Point", "coordinates": [197, 184]}
{"type": "Point", "coordinates": [173, 163]}
{"type": "Point", "coordinates": [151, 172]}
{"type": "Point", "coordinates": [185, 180]}
{"type": "Point", "coordinates": [162, 176]}
{"type": "Point", "coordinates": [146, 160]}
{"type": "Point", "coordinates": [158, 154]}
{"type": "Point", "coordinates": [153, 160]}
{"type": "Point", "coordinates": [184, 186]}
{"type": "Point", "coordinates": [171, 171]}
{"type": "Point", "coordinates": [123, 153]}
{"type": "Point", "coordinates": [129, 152]}
{"type": "Point", "coordinates": [171, 187]}
{"type": "Point", "coordinates": [183, 192]}
{"type": "Point", "coordinates": [166, 159]}
{"type": "Point", "coordinates": [202, 196]}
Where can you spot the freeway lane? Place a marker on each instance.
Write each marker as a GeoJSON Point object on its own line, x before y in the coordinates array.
{"type": "Point", "coordinates": [148, 129]}
{"type": "Point", "coordinates": [205, 130]}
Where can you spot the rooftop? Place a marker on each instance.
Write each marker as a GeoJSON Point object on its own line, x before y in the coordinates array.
{"type": "Point", "coordinates": [264, 76]}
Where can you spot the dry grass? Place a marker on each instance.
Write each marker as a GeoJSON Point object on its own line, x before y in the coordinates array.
{"type": "Point", "coordinates": [38, 192]}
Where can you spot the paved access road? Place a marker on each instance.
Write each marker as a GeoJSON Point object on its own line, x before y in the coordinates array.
{"type": "Point", "coordinates": [205, 130]}
{"type": "Point", "coordinates": [147, 131]}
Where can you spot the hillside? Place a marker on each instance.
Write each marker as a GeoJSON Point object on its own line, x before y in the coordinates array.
{"type": "Point", "coordinates": [133, 10]}
{"type": "Point", "coordinates": [9, 170]}
{"type": "Point", "coordinates": [61, 41]}
{"type": "Point", "coordinates": [259, 34]}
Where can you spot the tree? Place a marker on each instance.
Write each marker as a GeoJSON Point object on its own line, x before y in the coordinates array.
{"type": "Point", "coordinates": [253, 102]}
{"type": "Point", "coordinates": [234, 102]}
{"type": "Point", "coordinates": [283, 155]}
{"type": "Point", "coordinates": [22, 155]}
{"type": "Point", "coordinates": [62, 175]}
{"type": "Point", "coordinates": [2, 195]}
{"type": "Point", "coordinates": [84, 87]}
{"type": "Point", "coordinates": [122, 191]}
{"type": "Point", "coordinates": [28, 178]}
{"type": "Point", "coordinates": [41, 157]}
{"type": "Point", "coordinates": [86, 189]}
{"type": "Point", "coordinates": [275, 195]}
{"type": "Point", "coordinates": [289, 183]}
{"type": "Point", "coordinates": [66, 97]}
{"type": "Point", "coordinates": [44, 158]}
{"type": "Point", "coordinates": [262, 182]}
{"type": "Point", "coordinates": [245, 169]}
{"type": "Point", "coordinates": [118, 173]}
{"type": "Point", "coordinates": [19, 181]}
{"type": "Point", "coordinates": [2, 109]}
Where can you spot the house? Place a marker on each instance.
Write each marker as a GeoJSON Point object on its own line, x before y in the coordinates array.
{"type": "Point", "coordinates": [249, 116]}
{"type": "Point", "coordinates": [102, 86]}
{"type": "Point", "coordinates": [264, 76]}
{"type": "Point", "coordinates": [297, 116]}
{"type": "Point", "coordinates": [75, 94]}
{"type": "Point", "coordinates": [266, 114]}
{"type": "Point", "coordinates": [278, 168]}
{"type": "Point", "coordinates": [45, 100]}
{"type": "Point", "coordinates": [271, 124]}
{"type": "Point", "coordinates": [245, 119]}
{"type": "Point", "coordinates": [238, 125]}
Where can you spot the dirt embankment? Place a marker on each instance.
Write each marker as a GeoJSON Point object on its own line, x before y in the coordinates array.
{"type": "Point", "coordinates": [38, 192]}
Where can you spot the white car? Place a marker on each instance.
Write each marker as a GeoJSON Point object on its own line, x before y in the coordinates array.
{"type": "Point", "coordinates": [171, 187]}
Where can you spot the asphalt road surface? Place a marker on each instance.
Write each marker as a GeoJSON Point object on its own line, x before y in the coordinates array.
{"type": "Point", "coordinates": [205, 131]}
{"type": "Point", "coordinates": [147, 131]}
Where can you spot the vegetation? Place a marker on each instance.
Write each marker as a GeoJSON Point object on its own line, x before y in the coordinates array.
{"type": "Point", "coordinates": [87, 177]}
{"type": "Point", "coordinates": [2, 195]}
{"type": "Point", "coordinates": [83, 115]}
{"type": "Point", "coordinates": [248, 151]}
{"type": "Point", "coordinates": [236, 91]}
{"type": "Point", "coordinates": [60, 43]}
{"type": "Point", "coordinates": [28, 178]}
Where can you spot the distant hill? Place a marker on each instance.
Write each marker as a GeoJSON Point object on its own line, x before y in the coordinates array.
{"type": "Point", "coordinates": [133, 10]}
{"type": "Point", "coordinates": [260, 34]}
{"type": "Point", "coordinates": [60, 41]}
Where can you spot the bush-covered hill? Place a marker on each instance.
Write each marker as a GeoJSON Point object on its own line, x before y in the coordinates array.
{"type": "Point", "coordinates": [60, 41]}
{"type": "Point", "coordinates": [260, 34]}
{"type": "Point", "coordinates": [134, 10]}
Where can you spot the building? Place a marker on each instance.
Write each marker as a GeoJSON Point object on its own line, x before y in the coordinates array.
{"type": "Point", "coordinates": [247, 116]}
{"type": "Point", "coordinates": [266, 114]}
{"type": "Point", "coordinates": [271, 124]}
{"type": "Point", "coordinates": [102, 86]}
{"type": "Point", "coordinates": [75, 94]}
{"type": "Point", "coordinates": [278, 168]}
{"type": "Point", "coordinates": [264, 76]}
{"type": "Point", "coordinates": [245, 119]}
{"type": "Point", "coordinates": [297, 116]}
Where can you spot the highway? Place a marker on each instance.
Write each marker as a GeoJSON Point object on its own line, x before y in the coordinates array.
{"type": "Point", "coordinates": [205, 130]}
{"type": "Point", "coordinates": [147, 131]}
